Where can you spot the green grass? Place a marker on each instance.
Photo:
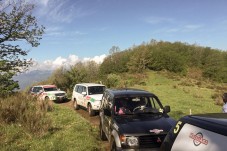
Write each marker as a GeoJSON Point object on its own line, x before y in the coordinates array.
{"type": "Point", "coordinates": [181, 94]}
{"type": "Point", "coordinates": [69, 132]}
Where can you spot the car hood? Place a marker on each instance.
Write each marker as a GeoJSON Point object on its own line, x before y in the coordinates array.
{"type": "Point", "coordinates": [96, 96]}
{"type": "Point", "coordinates": [144, 125]}
{"type": "Point", "coordinates": [54, 92]}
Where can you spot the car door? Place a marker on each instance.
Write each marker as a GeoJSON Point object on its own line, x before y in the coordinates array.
{"type": "Point", "coordinates": [107, 115]}
{"type": "Point", "coordinates": [78, 95]}
{"type": "Point", "coordinates": [84, 96]}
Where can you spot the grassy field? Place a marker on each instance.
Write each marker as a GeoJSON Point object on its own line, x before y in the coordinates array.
{"type": "Point", "coordinates": [183, 95]}
{"type": "Point", "coordinates": [69, 132]}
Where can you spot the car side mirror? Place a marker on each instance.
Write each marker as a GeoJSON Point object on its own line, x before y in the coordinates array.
{"type": "Point", "coordinates": [84, 93]}
{"type": "Point", "coordinates": [107, 112]}
{"type": "Point", "coordinates": [167, 109]}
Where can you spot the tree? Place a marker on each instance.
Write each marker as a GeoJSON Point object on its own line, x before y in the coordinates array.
{"type": "Point", "coordinates": [17, 26]}
{"type": "Point", "coordinates": [139, 59]}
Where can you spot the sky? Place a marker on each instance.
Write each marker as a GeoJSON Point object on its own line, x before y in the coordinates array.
{"type": "Point", "coordinates": [80, 30]}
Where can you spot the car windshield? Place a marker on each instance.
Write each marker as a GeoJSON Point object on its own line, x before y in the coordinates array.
{"type": "Point", "coordinates": [134, 105]}
{"type": "Point", "coordinates": [50, 89]}
{"type": "Point", "coordinates": [96, 90]}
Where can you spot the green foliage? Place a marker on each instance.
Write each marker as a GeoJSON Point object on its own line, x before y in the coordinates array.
{"type": "Point", "coordinates": [25, 111]}
{"type": "Point", "coordinates": [175, 57]}
{"type": "Point", "coordinates": [139, 59]}
{"type": "Point", "coordinates": [7, 85]}
{"type": "Point", "coordinates": [17, 26]}
{"type": "Point", "coordinates": [115, 63]}
{"type": "Point", "coordinates": [112, 80]}
{"type": "Point", "coordinates": [80, 72]}
{"type": "Point", "coordinates": [69, 131]}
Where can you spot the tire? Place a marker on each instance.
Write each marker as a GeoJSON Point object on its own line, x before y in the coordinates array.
{"type": "Point", "coordinates": [76, 106]}
{"type": "Point", "coordinates": [101, 133]}
{"type": "Point", "coordinates": [47, 98]}
{"type": "Point", "coordinates": [113, 146]}
{"type": "Point", "coordinates": [91, 112]}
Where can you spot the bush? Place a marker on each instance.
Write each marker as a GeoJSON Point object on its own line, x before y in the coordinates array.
{"type": "Point", "coordinates": [26, 111]}
{"type": "Point", "coordinates": [112, 80]}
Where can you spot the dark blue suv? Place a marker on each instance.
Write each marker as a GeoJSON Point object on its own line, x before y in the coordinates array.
{"type": "Point", "coordinates": [132, 119]}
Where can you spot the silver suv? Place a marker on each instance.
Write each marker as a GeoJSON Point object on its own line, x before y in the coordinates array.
{"type": "Point", "coordinates": [48, 92]}
{"type": "Point", "coordinates": [88, 95]}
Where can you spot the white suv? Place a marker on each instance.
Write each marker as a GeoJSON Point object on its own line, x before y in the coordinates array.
{"type": "Point", "coordinates": [88, 95]}
{"type": "Point", "coordinates": [48, 92]}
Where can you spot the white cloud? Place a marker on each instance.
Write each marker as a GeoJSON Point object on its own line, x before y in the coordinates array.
{"type": "Point", "coordinates": [97, 59]}
{"type": "Point", "coordinates": [59, 61]}
{"type": "Point", "coordinates": [180, 29]}
{"type": "Point", "coordinates": [44, 2]}
{"type": "Point", "coordinates": [66, 62]}
{"type": "Point", "coordinates": [189, 28]}
{"type": "Point", "coordinates": [64, 11]}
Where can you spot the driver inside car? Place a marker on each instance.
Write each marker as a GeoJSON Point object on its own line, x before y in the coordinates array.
{"type": "Point", "coordinates": [121, 107]}
{"type": "Point", "coordinates": [140, 105]}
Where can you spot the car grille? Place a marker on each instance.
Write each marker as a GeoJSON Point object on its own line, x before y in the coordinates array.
{"type": "Point", "coordinates": [151, 141]}
{"type": "Point", "coordinates": [60, 94]}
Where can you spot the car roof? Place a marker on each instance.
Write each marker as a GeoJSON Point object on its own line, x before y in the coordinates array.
{"type": "Point", "coordinates": [127, 92]}
{"type": "Point", "coordinates": [211, 121]}
{"type": "Point", "coordinates": [90, 84]}
{"type": "Point", "coordinates": [46, 86]}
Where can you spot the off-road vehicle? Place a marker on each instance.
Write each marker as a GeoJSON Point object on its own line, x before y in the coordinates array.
{"type": "Point", "coordinates": [204, 132]}
{"type": "Point", "coordinates": [88, 95]}
{"type": "Point", "coordinates": [48, 92]}
{"type": "Point", "coordinates": [132, 119]}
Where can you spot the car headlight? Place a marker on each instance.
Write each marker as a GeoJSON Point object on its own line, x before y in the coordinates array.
{"type": "Point", "coordinates": [129, 140]}
{"type": "Point", "coordinates": [132, 141]}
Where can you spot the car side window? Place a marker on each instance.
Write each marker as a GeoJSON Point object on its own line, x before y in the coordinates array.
{"type": "Point", "coordinates": [36, 89]}
{"type": "Point", "coordinates": [33, 89]}
{"type": "Point", "coordinates": [80, 89]}
{"type": "Point", "coordinates": [84, 89]}
{"type": "Point", "coordinates": [76, 88]}
{"type": "Point", "coordinates": [154, 103]}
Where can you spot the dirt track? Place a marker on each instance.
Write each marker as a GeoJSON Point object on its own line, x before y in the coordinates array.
{"type": "Point", "coordinates": [93, 120]}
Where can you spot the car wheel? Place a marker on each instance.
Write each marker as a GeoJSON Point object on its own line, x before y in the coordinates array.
{"type": "Point", "coordinates": [76, 106]}
{"type": "Point", "coordinates": [113, 146]}
{"type": "Point", "coordinates": [47, 98]}
{"type": "Point", "coordinates": [101, 133]}
{"type": "Point", "coordinates": [90, 110]}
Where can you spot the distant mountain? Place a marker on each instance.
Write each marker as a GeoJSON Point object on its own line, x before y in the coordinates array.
{"type": "Point", "coordinates": [28, 78]}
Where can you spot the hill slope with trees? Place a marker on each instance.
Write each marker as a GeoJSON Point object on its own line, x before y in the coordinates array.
{"type": "Point", "coordinates": [128, 67]}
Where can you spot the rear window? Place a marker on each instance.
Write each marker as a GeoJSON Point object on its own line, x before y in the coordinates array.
{"type": "Point", "coordinates": [50, 89]}
{"type": "Point", "coordinates": [96, 90]}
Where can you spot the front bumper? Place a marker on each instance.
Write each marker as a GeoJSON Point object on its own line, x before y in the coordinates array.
{"type": "Point", "coordinates": [96, 107]}
{"type": "Point", "coordinates": [60, 98]}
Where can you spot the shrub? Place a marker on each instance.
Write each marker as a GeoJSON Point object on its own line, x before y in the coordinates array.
{"type": "Point", "coordinates": [27, 112]}
{"type": "Point", "coordinates": [112, 80]}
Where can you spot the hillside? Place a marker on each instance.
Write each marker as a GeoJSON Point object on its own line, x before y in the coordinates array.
{"type": "Point", "coordinates": [28, 78]}
{"type": "Point", "coordinates": [185, 95]}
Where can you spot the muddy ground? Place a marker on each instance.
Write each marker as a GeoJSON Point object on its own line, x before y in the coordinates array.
{"type": "Point", "coordinates": [93, 120]}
